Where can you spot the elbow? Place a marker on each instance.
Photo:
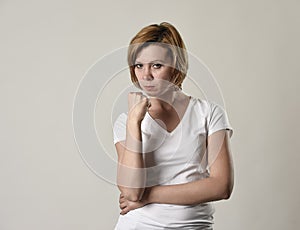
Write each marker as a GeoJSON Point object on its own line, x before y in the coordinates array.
{"type": "Point", "coordinates": [131, 183]}
{"type": "Point", "coordinates": [223, 188]}
{"type": "Point", "coordinates": [227, 191]}
{"type": "Point", "coordinates": [132, 194]}
{"type": "Point", "coordinates": [226, 195]}
{"type": "Point", "coordinates": [133, 197]}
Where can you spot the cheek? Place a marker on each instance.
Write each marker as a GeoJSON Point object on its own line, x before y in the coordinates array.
{"type": "Point", "coordinates": [138, 74]}
{"type": "Point", "coordinates": [165, 75]}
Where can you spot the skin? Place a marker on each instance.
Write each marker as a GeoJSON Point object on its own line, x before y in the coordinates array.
{"type": "Point", "coordinates": [131, 176]}
{"type": "Point", "coordinates": [153, 68]}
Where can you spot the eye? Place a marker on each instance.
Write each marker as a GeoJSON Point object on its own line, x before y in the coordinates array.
{"type": "Point", "coordinates": [157, 66]}
{"type": "Point", "coordinates": [138, 66]}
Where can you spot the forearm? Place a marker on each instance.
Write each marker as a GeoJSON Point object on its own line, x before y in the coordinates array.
{"type": "Point", "coordinates": [196, 192]}
{"type": "Point", "coordinates": [217, 186]}
{"type": "Point", "coordinates": [131, 171]}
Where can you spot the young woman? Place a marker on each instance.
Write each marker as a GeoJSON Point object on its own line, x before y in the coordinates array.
{"type": "Point", "coordinates": [173, 149]}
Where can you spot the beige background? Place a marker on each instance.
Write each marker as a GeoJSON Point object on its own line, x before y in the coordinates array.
{"type": "Point", "coordinates": [252, 47]}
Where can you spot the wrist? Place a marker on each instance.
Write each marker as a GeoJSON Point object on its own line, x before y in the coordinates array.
{"type": "Point", "coordinates": [132, 122]}
{"type": "Point", "coordinates": [133, 128]}
{"type": "Point", "coordinates": [133, 136]}
{"type": "Point", "coordinates": [148, 195]}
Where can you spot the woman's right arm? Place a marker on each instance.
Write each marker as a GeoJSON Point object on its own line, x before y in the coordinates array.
{"type": "Point", "coordinates": [131, 176]}
{"type": "Point", "coordinates": [217, 186]}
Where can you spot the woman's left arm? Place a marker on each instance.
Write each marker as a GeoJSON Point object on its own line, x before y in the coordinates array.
{"type": "Point", "coordinates": [217, 186]}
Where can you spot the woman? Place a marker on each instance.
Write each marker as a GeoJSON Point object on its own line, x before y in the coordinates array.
{"type": "Point", "coordinates": [173, 149]}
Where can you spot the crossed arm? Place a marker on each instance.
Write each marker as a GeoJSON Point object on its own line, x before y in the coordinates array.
{"type": "Point", "coordinates": [217, 186]}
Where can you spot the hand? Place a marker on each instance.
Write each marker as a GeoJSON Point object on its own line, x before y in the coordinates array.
{"type": "Point", "coordinates": [127, 205]}
{"type": "Point", "coordinates": [137, 106]}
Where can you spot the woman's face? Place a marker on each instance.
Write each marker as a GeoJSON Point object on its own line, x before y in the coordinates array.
{"type": "Point", "coordinates": [153, 69]}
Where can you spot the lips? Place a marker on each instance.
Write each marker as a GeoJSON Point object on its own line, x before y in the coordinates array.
{"type": "Point", "coordinates": [149, 87]}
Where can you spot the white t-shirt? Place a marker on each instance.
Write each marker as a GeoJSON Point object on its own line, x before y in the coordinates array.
{"type": "Point", "coordinates": [173, 158]}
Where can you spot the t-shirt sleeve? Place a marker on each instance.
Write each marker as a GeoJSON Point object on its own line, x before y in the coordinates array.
{"type": "Point", "coordinates": [218, 120]}
{"type": "Point", "coordinates": [119, 129]}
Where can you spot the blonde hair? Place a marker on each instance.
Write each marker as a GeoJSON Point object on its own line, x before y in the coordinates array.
{"type": "Point", "coordinates": [164, 35]}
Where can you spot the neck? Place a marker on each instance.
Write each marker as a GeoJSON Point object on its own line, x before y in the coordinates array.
{"type": "Point", "coordinates": [166, 100]}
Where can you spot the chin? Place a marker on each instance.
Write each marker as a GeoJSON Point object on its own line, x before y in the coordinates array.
{"type": "Point", "coordinates": [151, 93]}
{"type": "Point", "coordinates": [158, 94]}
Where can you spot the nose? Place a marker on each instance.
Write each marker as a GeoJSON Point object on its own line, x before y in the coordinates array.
{"type": "Point", "coordinates": [147, 74]}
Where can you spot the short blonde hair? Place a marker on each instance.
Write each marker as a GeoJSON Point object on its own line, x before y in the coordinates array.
{"type": "Point", "coordinates": [167, 36]}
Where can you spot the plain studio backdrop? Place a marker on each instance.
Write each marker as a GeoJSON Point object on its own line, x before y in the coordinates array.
{"type": "Point", "coordinates": [251, 47]}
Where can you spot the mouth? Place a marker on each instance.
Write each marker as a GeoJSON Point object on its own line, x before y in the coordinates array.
{"type": "Point", "coordinates": [149, 87]}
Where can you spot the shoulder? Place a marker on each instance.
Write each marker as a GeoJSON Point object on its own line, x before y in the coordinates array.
{"type": "Point", "coordinates": [206, 107]}
{"type": "Point", "coordinates": [120, 121]}
{"type": "Point", "coordinates": [215, 115]}
{"type": "Point", "coordinates": [121, 117]}
{"type": "Point", "coordinates": [119, 128]}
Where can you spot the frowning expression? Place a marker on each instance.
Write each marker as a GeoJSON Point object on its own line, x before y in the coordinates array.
{"type": "Point", "coordinates": [153, 69]}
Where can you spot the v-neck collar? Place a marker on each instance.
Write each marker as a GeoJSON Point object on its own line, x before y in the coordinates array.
{"type": "Point", "coordinates": [179, 123]}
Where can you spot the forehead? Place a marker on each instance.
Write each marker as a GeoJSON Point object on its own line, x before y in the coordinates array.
{"type": "Point", "coordinates": [153, 53]}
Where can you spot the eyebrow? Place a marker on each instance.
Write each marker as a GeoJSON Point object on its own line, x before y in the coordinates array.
{"type": "Point", "coordinates": [139, 62]}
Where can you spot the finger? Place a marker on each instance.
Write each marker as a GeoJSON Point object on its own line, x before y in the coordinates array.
{"type": "Point", "coordinates": [149, 104]}
{"type": "Point", "coordinates": [134, 98]}
{"type": "Point", "coordinates": [138, 93]}
{"type": "Point", "coordinates": [122, 206]}
{"type": "Point", "coordinates": [144, 100]}
{"type": "Point", "coordinates": [123, 203]}
{"type": "Point", "coordinates": [124, 211]}
{"type": "Point", "coordinates": [141, 98]}
{"type": "Point", "coordinates": [135, 94]}
{"type": "Point", "coordinates": [122, 199]}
